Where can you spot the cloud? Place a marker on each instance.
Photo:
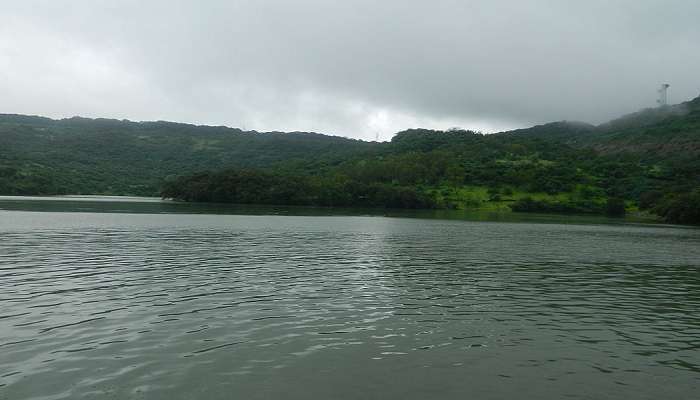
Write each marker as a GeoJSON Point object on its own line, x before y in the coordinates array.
{"type": "Point", "coordinates": [357, 68]}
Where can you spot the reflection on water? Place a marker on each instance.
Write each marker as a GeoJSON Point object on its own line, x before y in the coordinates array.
{"type": "Point", "coordinates": [152, 205]}
{"type": "Point", "coordinates": [261, 307]}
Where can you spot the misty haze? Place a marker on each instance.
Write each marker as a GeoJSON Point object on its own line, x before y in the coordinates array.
{"type": "Point", "coordinates": [356, 200]}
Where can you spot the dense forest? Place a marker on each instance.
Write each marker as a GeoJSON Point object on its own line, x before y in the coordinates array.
{"type": "Point", "coordinates": [111, 157]}
{"type": "Point", "coordinates": [647, 162]}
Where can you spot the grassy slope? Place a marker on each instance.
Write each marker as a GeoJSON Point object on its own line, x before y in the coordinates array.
{"type": "Point", "coordinates": [482, 198]}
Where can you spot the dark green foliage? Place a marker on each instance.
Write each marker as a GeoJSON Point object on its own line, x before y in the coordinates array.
{"type": "Point", "coordinates": [261, 187]}
{"type": "Point", "coordinates": [681, 208]}
{"type": "Point", "coordinates": [100, 156]}
{"type": "Point", "coordinates": [615, 207]}
{"type": "Point", "coordinates": [528, 204]}
{"type": "Point", "coordinates": [649, 160]}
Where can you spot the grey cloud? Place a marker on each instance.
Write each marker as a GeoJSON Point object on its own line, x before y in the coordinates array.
{"type": "Point", "coordinates": [353, 68]}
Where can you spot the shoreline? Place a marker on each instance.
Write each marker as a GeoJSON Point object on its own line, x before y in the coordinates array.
{"type": "Point", "coordinates": [156, 205]}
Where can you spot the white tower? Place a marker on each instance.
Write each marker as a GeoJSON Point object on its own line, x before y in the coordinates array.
{"type": "Point", "coordinates": [663, 95]}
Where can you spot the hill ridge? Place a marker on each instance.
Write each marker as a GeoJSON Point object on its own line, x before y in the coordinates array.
{"type": "Point", "coordinates": [651, 159]}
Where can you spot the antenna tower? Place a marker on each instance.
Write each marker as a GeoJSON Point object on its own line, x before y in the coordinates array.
{"type": "Point", "coordinates": [663, 95]}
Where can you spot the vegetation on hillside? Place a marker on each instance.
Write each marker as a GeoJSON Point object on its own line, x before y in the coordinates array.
{"type": "Point", "coordinates": [111, 157]}
{"type": "Point", "coordinates": [462, 169]}
{"type": "Point", "coordinates": [648, 161]}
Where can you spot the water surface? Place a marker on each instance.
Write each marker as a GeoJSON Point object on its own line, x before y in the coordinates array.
{"type": "Point", "coordinates": [181, 306]}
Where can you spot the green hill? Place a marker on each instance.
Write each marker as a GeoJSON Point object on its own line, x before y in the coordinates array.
{"type": "Point", "coordinates": [670, 132]}
{"type": "Point", "coordinates": [103, 156]}
{"type": "Point", "coordinates": [647, 161]}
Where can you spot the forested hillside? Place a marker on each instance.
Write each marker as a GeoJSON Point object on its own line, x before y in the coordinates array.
{"type": "Point", "coordinates": [647, 161]}
{"type": "Point", "coordinates": [664, 133]}
{"type": "Point", "coordinates": [103, 156]}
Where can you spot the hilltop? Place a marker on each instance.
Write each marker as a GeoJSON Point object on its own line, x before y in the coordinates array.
{"type": "Point", "coordinates": [657, 133]}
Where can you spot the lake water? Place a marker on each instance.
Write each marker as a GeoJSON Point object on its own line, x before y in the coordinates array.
{"type": "Point", "coordinates": [150, 303]}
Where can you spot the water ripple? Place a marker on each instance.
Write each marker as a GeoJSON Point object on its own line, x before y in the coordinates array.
{"type": "Point", "coordinates": [303, 307]}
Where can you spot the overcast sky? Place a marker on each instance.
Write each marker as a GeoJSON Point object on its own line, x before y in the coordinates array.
{"type": "Point", "coordinates": [353, 68]}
